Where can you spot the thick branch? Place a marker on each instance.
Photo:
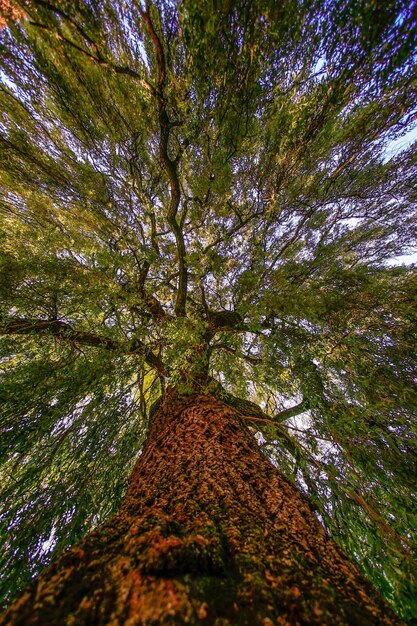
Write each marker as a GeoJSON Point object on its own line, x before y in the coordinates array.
{"type": "Point", "coordinates": [248, 408]}
{"type": "Point", "coordinates": [61, 330]}
{"type": "Point", "coordinates": [56, 328]}
{"type": "Point", "coordinates": [292, 411]}
{"type": "Point", "coordinates": [151, 302]}
{"type": "Point", "coordinates": [98, 56]}
{"type": "Point", "coordinates": [240, 355]}
{"type": "Point", "coordinates": [223, 321]}
{"type": "Point", "coordinates": [170, 165]}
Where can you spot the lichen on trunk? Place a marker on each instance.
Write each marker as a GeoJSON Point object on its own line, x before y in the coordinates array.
{"type": "Point", "coordinates": [209, 532]}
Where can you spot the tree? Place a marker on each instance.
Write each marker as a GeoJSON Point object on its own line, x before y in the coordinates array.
{"type": "Point", "coordinates": [199, 213]}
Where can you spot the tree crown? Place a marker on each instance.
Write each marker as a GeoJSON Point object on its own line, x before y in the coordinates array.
{"type": "Point", "coordinates": [198, 194]}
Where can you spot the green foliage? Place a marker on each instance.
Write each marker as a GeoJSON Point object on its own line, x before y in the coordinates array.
{"type": "Point", "coordinates": [195, 192]}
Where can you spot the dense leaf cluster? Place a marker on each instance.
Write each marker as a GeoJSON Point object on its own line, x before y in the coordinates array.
{"type": "Point", "coordinates": [199, 193]}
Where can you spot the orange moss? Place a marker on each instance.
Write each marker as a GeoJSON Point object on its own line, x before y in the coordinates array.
{"type": "Point", "coordinates": [208, 531]}
{"type": "Point", "coordinates": [9, 13]}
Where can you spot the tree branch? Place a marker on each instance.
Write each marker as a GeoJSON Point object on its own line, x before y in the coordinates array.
{"type": "Point", "coordinates": [98, 56]}
{"type": "Point", "coordinates": [247, 357]}
{"type": "Point", "coordinates": [151, 302]}
{"type": "Point", "coordinates": [292, 411]}
{"type": "Point", "coordinates": [11, 325]}
{"type": "Point", "coordinates": [250, 411]}
{"type": "Point", "coordinates": [60, 330]}
{"type": "Point", "coordinates": [165, 126]}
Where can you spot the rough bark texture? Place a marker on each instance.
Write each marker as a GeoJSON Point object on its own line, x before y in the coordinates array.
{"type": "Point", "coordinates": [208, 533]}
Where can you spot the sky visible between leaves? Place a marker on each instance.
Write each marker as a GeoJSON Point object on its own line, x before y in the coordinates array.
{"type": "Point", "coordinates": [295, 211]}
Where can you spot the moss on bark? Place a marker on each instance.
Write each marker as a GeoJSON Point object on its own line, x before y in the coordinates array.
{"type": "Point", "coordinates": [208, 533]}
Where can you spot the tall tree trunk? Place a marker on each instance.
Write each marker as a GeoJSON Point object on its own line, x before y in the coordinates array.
{"type": "Point", "coordinates": [209, 532]}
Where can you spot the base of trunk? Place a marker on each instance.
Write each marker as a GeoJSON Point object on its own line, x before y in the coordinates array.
{"type": "Point", "coordinates": [209, 533]}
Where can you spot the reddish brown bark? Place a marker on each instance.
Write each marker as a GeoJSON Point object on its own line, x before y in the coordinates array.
{"type": "Point", "coordinates": [9, 13]}
{"type": "Point", "coordinates": [209, 533]}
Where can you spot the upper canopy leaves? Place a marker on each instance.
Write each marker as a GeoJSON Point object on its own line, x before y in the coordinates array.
{"type": "Point", "coordinates": [207, 183]}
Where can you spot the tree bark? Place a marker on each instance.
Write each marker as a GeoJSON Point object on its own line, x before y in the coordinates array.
{"type": "Point", "coordinates": [209, 532]}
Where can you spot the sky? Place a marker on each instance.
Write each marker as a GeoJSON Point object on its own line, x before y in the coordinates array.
{"type": "Point", "coordinates": [393, 149]}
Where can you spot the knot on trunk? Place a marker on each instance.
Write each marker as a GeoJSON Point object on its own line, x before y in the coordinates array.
{"type": "Point", "coordinates": [174, 555]}
{"type": "Point", "coordinates": [223, 320]}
